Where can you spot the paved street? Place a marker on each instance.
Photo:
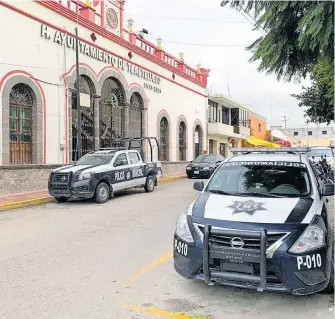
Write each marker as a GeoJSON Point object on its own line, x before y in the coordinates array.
{"type": "Point", "coordinates": [83, 260]}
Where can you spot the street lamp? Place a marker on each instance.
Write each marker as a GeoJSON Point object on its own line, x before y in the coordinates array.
{"type": "Point", "coordinates": [78, 98]}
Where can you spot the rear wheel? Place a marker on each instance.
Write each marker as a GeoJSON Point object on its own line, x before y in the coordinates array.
{"type": "Point", "coordinates": [101, 193]}
{"type": "Point", "coordinates": [61, 199]}
{"type": "Point", "coordinates": [150, 184]}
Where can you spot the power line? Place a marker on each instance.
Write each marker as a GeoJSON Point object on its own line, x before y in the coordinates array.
{"type": "Point", "coordinates": [189, 19]}
{"type": "Point", "coordinates": [202, 44]}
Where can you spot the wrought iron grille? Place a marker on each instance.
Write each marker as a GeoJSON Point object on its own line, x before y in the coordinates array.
{"type": "Point", "coordinates": [136, 115]}
{"type": "Point", "coordinates": [111, 111]}
{"type": "Point", "coordinates": [182, 141]}
{"type": "Point", "coordinates": [164, 139]}
{"type": "Point", "coordinates": [21, 101]}
{"type": "Point", "coordinates": [198, 144]}
{"type": "Point", "coordinates": [87, 118]}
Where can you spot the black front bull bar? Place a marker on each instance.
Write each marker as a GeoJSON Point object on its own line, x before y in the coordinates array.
{"type": "Point", "coordinates": [261, 279]}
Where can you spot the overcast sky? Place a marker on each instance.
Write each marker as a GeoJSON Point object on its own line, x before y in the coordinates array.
{"type": "Point", "coordinates": [224, 38]}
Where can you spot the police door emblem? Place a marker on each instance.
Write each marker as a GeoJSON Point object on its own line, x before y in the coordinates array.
{"type": "Point", "coordinates": [249, 207]}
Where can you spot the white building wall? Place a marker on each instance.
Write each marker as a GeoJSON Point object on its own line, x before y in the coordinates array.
{"type": "Point", "coordinates": [24, 49]}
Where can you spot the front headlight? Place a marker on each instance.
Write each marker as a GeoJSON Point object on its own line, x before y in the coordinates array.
{"type": "Point", "coordinates": [182, 229]}
{"type": "Point", "coordinates": [206, 168]}
{"type": "Point", "coordinates": [311, 239]}
{"type": "Point", "coordinates": [188, 168]}
{"type": "Point", "coordinates": [84, 176]}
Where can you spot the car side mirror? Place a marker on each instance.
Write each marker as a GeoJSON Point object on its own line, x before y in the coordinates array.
{"type": "Point", "coordinates": [327, 189]}
{"type": "Point", "coordinates": [199, 186]}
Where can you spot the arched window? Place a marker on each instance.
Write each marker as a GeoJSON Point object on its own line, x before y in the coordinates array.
{"type": "Point", "coordinates": [87, 90]}
{"type": "Point", "coordinates": [164, 139]}
{"type": "Point", "coordinates": [197, 141]}
{"type": "Point", "coordinates": [135, 115]}
{"type": "Point", "coordinates": [21, 101]}
{"type": "Point", "coordinates": [111, 111]}
{"type": "Point", "coordinates": [182, 141]}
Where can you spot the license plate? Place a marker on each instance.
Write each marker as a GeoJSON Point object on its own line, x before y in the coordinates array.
{"type": "Point", "coordinates": [235, 255]}
{"type": "Point", "coordinates": [196, 172]}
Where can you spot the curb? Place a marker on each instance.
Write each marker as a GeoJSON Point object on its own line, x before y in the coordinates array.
{"type": "Point", "coordinates": [48, 199]}
{"type": "Point", "coordinates": [26, 203]}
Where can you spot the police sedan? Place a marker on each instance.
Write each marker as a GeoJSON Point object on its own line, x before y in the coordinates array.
{"type": "Point", "coordinates": [260, 222]}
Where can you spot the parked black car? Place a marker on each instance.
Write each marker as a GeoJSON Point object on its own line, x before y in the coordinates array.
{"type": "Point", "coordinates": [204, 165]}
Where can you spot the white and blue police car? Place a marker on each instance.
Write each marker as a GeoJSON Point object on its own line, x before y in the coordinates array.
{"type": "Point", "coordinates": [260, 222]}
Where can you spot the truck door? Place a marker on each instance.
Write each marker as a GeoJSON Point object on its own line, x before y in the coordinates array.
{"type": "Point", "coordinates": [136, 166]}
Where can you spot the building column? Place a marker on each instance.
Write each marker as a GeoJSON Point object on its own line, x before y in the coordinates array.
{"type": "Point", "coordinates": [96, 121]}
{"type": "Point", "coordinates": [126, 120]}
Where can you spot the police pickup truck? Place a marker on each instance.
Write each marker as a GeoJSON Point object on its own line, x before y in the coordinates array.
{"type": "Point", "coordinates": [260, 222]}
{"type": "Point", "coordinates": [99, 175]}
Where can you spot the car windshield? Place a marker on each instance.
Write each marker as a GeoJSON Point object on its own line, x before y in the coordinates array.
{"type": "Point", "coordinates": [95, 159]}
{"type": "Point", "coordinates": [318, 152]}
{"type": "Point", "coordinates": [261, 179]}
{"type": "Point", "coordinates": [210, 159]}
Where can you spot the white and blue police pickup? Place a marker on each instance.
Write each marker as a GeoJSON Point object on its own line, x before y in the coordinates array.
{"type": "Point", "coordinates": [99, 175]}
{"type": "Point", "coordinates": [260, 222]}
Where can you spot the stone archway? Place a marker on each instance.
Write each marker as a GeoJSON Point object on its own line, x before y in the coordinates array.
{"type": "Point", "coordinates": [88, 85]}
{"type": "Point", "coordinates": [22, 95]}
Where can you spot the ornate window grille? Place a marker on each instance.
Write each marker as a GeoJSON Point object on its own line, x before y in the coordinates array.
{"type": "Point", "coordinates": [21, 101]}
{"type": "Point", "coordinates": [136, 115]}
{"type": "Point", "coordinates": [182, 141]}
{"type": "Point", "coordinates": [86, 86]}
{"type": "Point", "coordinates": [111, 111]}
{"type": "Point", "coordinates": [164, 139]}
{"type": "Point", "coordinates": [198, 142]}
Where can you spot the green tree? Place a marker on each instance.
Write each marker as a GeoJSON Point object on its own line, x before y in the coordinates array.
{"type": "Point", "coordinates": [298, 40]}
{"type": "Point", "coordinates": [319, 98]}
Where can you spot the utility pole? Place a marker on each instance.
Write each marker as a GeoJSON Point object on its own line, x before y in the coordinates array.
{"type": "Point", "coordinates": [285, 119]}
{"type": "Point", "coordinates": [78, 99]}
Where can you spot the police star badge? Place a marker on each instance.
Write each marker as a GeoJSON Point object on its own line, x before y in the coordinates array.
{"type": "Point", "coordinates": [248, 207]}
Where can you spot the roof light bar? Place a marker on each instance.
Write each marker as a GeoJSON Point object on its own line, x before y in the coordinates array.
{"type": "Point", "coordinates": [271, 150]}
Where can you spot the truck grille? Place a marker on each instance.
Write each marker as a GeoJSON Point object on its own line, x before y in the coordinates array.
{"type": "Point", "coordinates": [249, 241]}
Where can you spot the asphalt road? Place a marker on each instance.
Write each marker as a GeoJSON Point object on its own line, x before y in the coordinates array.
{"type": "Point", "coordinates": [83, 260]}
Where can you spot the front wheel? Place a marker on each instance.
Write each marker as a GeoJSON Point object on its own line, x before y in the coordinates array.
{"type": "Point", "coordinates": [101, 193]}
{"type": "Point", "coordinates": [330, 288]}
{"type": "Point", "coordinates": [61, 199]}
{"type": "Point", "coordinates": [150, 184]}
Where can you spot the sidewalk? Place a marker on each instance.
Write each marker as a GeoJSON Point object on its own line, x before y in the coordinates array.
{"type": "Point", "coordinates": [41, 197]}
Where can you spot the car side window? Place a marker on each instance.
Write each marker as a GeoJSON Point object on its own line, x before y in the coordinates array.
{"type": "Point", "coordinates": [133, 157]}
{"type": "Point", "coordinates": [121, 160]}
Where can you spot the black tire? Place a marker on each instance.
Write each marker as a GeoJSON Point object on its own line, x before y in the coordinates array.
{"type": "Point", "coordinates": [150, 184]}
{"type": "Point", "coordinates": [61, 199]}
{"type": "Point", "coordinates": [189, 176]}
{"type": "Point", "coordinates": [102, 193]}
{"type": "Point", "coordinates": [330, 288]}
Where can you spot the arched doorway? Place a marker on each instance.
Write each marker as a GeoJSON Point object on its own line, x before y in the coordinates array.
{"type": "Point", "coordinates": [136, 115]}
{"type": "Point", "coordinates": [21, 101]}
{"type": "Point", "coordinates": [111, 111]}
{"type": "Point", "coordinates": [197, 141]}
{"type": "Point", "coordinates": [164, 139]}
{"type": "Point", "coordinates": [182, 141]}
{"type": "Point", "coordinates": [87, 90]}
